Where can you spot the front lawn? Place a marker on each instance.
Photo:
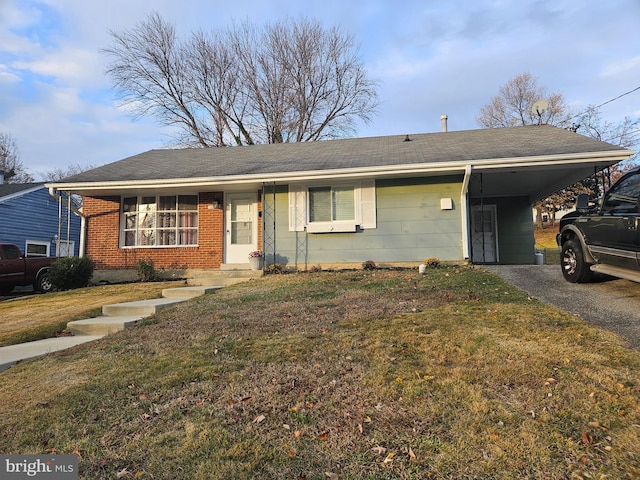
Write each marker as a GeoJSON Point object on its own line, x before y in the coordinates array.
{"type": "Point", "coordinates": [42, 316]}
{"type": "Point", "coordinates": [350, 375]}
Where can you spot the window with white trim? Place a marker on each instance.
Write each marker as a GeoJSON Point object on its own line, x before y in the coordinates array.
{"type": "Point", "coordinates": [35, 248]}
{"type": "Point", "coordinates": [160, 221]}
{"type": "Point", "coordinates": [332, 208]}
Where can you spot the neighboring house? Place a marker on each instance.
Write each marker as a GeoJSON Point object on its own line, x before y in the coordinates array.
{"type": "Point", "coordinates": [36, 222]}
{"type": "Point", "coordinates": [396, 200]}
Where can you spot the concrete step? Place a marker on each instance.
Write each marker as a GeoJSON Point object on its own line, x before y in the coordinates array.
{"type": "Point", "coordinates": [142, 308]}
{"type": "Point", "coordinates": [228, 274]}
{"type": "Point", "coordinates": [189, 292]}
{"type": "Point", "coordinates": [12, 354]}
{"type": "Point", "coordinates": [101, 325]}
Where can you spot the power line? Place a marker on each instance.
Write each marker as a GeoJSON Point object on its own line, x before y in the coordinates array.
{"type": "Point", "coordinates": [608, 101]}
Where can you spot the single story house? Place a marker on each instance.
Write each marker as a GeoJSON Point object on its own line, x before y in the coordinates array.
{"type": "Point", "coordinates": [395, 200]}
{"type": "Point", "coordinates": [41, 225]}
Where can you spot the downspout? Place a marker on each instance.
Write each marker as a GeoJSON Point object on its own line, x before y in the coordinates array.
{"type": "Point", "coordinates": [83, 220]}
{"type": "Point", "coordinates": [464, 209]}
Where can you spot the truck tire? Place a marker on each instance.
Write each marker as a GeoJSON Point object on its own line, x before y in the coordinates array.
{"type": "Point", "coordinates": [574, 268]}
{"type": "Point", "coordinates": [43, 283]}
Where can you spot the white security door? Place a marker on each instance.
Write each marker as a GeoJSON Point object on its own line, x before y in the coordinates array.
{"type": "Point", "coordinates": [484, 235]}
{"type": "Point", "coordinates": [241, 227]}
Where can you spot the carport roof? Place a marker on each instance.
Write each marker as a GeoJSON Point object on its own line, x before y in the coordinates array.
{"type": "Point", "coordinates": [490, 150]}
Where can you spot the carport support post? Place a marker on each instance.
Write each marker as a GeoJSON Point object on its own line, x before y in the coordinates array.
{"type": "Point", "coordinates": [464, 211]}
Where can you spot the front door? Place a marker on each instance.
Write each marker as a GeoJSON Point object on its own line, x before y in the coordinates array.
{"type": "Point", "coordinates": [241, 227]}
{"type": "Point", "coordinates": [484, 246]}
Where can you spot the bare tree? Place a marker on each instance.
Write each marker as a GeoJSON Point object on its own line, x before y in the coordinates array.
{"type": "Point", "coordinates": [290, 81]}
{"type": "Point", "coordinates": [10, 164]}
{"type": "Point", "coordinates": [58, 174]}
{"type": "Point", "coordinates": [513, 105]}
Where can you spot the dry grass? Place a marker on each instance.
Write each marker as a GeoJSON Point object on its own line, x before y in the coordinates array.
{"type": "Point", "coordinates": [546, 237]}
{"type": "Point", "coordinates": [40, 316]}
{"type": "Point", "coordinates": [380, 375]}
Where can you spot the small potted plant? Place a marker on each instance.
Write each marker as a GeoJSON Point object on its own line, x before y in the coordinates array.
{"type": "Point", "coordinates": [256, 259]}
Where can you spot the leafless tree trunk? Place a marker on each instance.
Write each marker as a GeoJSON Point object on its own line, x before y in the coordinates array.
{"type": "Point", "coordinates": [290, 81]}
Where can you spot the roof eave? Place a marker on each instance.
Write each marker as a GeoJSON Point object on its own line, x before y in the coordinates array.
{"type": "Point", "coordinates": [456, 167]}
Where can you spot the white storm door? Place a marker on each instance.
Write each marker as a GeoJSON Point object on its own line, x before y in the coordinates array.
{"type": "Point", "coordinates": [241, 227]}
{"type": "Point", "coordinates": [484, 235]}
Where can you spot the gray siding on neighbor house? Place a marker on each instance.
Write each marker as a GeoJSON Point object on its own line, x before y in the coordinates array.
{"type": "Point", "coordinates": [411, 226]}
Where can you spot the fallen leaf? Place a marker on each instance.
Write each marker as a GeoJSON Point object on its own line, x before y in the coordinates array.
{"type": "Point", "coordinates": [122, 473]}
{"type": "Point", "coordinates": [360, 429]}
{"type": "Point", "coordinates": [297, 434]}
{"type": "Point", "coordinates": [379, 450]}
{"type": "Point", "coordinates": [259, 419]}
{"type": "Point", "coordinates": [138, 474]}
{"type": "Point", "coordinates": [366, 420]}
{"type": "Point", "coordinates": [595, 424]}
{"type": "Point", "coordinates": [286, 426]}
{"type": "Point", "coordinates": [245, 399]}
{"type": "Point", "coordinates": [323, 437]}
{"type": "Point", "coordinates": [585, 438]}
{"type": "Point", "coordinates": [389, 458]}
{"type": "Point", "coordinates": [331, 475]}
{"type": "Point", "coordinates": [412, 455]}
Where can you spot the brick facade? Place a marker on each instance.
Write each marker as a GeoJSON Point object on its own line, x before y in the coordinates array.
{"type": "Point", "coordinates": [103, 238]}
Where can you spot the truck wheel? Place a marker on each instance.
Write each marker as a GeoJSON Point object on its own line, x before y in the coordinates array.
{"type": "Point", "coordinates": [42, 283]}
{"type": "Point", "coordinates": [574, 268]}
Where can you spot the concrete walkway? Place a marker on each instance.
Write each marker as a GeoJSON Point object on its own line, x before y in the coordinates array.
{"type": "Point", "coordinates": [114, 318]}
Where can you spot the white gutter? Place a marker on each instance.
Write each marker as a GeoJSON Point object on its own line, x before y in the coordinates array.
{"type": "Point", "coordinates": [83, 220]}
{"type": "Point", "coordinates": [464, 211]}
{"type": "Point", "coordinates": [386, 170]}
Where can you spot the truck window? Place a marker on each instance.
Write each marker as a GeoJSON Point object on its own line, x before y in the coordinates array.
{"type": "Point", "coordinates": [11, 252]}
{"type": "Point", "coordinates": [623, 197]}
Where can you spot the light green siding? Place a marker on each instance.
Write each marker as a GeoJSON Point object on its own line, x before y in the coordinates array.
{"type": "Point", "coordinates": [411, 226]}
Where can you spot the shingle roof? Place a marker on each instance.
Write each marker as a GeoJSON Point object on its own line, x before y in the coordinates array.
{"type": "Point", "coordinates": [470, 146]}
{"type": "Point", "coordinates": [7, 189]}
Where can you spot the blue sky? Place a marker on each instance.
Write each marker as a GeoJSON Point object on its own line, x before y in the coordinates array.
{"type": "Point", "coordinates": [431, 57]}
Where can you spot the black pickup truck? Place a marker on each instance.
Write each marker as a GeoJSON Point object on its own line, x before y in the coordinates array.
{"type": "Point", "coordinates": [605, 237]}
{"type": "Point", "coordinates": [18, 270]}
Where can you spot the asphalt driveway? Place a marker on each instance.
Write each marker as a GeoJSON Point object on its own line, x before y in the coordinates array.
{"type": "Point", "coordinates": [610, 303]}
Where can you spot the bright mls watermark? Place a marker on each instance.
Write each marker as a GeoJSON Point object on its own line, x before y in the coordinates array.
{"type": "Point", "coordinates": [46, 467]}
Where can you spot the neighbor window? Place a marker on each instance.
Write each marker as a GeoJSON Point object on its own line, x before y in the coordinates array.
{"type": "Point", "coordinates": [35, 248]}
{"type": "Point", "coordinates": [158, 221]}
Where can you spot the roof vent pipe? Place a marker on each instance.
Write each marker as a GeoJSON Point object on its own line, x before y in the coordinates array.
{"type": "Point", "coordinates": [443, 120]}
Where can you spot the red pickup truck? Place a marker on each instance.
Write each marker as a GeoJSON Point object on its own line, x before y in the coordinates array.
{"type": "Point", "coordinates": [18, 270]}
